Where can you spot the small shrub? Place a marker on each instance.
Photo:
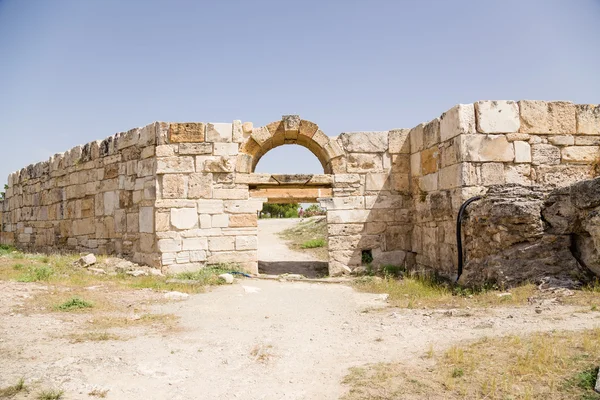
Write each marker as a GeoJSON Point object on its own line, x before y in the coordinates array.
{"type": "Point", "coordinates": [75, 303]}
{"type": "Point", "coordinates": [52, 394]}
{"type": "Point", "coordinates": [35, 274]}
{"type": "Point", "coordinates": [98, 393]}
{"type": "Point", "coordinates": [18, 267]}
{"type": "Point", "coordinates": [366, 257]}
{"type": "Point", "coordinates": [393, 270]}
{"type": "Point", "coordinates": [457, 372]}
{"type": "Point", "coordinates": [313, 244]}
{"type": "Point", "coordinates": [584, 379]}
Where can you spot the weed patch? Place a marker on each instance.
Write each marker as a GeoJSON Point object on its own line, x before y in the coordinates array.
{"type": "Point", "coordinates": [313, 244]}
{"type": "Point", "coordinates": [36, 274]}
{"type": "Point", "coordinates": [52, 394]}
{"type": "Point", "coordinates": [10, 391]}
{"type": "Point", "coordinates": [75, 303]}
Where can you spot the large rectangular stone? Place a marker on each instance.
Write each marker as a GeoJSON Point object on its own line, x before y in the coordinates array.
{"type": "Point", "coordinates": [210, 206]}
{"type": "Point", "coordinates": [497, 116]}
{"type": "Point", "coordinates": [588, 119]}
{"type": "Point", "coordinates": [347, 216]}
{"type": "Point", "coordinates": [487, 148]}
{"type": "Point", "coordinates": [580, 154]}
{"type": "Point", "coordinates": [231, 194]}
{"type": "Point", "coordinates": [200, 243]}
{"type": "Point", "coordinates": [184, 218]}
{"type": "Point", "coordinates": [430, 160]}
{"type": "Point", "coordinates": [223, 243]}
{"type": "Point", "coordinates": [174, 186]}
{"type": "Point", "coordinates": [459, 120]}
{"type": "Point", "coordinates": [174, 165]}
{"type": "Point", "coordinates": [219, 132]}
{"type": "Point", "coordinates": [399, 142]}
{"type": "Point", "coordinates": [243, 220]}
{"type": "Point", "coordinates": [169, 245]}
{"type": "Point", "coordinates": [431, 133]}
{"type": "Point", "coordinates": [246, 243]}
{"type": "Point", "coordinates": [377, 182]}
{"type": "Point", "coordinates": [200, 185]}
{"type": "Point", "coordinates": [416, 138]}
{"type": "Point", "coordinates": [243, 206]}
{"type": "Point", "coordinates": [226, 149]}
{"type": "Point", "coordinates": [344, 203]}
{"type": "Point", "coordinates": [186, 132]}
{"type": "Point", "coordinates": [545, 154]}
{"type": "Point", "coordinates": [522, 152]}
{"type": "Point", "coordinates": [543, 117]}
{"type": "Point", "coordinates": [365, 142]}
{"type": "Point", "coordinates": [194, 148]}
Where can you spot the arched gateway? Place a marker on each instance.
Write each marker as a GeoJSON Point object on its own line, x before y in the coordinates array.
{"type": "Point", "coordinates": [184, 195]}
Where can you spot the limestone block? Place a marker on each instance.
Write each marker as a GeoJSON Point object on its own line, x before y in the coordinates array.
{"type": "Point", "coordinates": [163, 221]}
{"type": "Point", "coordinates": [562, 140]}
{"type": "Point", "coordinates": [232, 257]}
{"type": "Point", "coordinates": [519, 174]}
{"type": "Point", "coordinates": [247, 127]}
{"type": "Point", "coordinates": [189, 132]}
{"type": "Point", "coordinates": [455, 176]}
{"type": "Point", "coordinates": [218, 165]}
{"type": "Point", "coordinates": [337, 269]}
{"type": "Point", "coordinates": [580, 154]}
{"type": "Point", "coordinates": [429, 183]}
{"type": "Point", "coordinates": [199, 185]}
{"type": "Point", "coordinates": [320, 138]}
{"type": "Point", "coordinates": [415, 164]}
{"type": "Point", "coordinates": [243, 206]}
{"type": "Point", "coordinates": [497, 116]}
{"type": "Point", "coordinates": [542, 117]}
{"type": "Point", "coordinates": [226, 149]}
{"type": "Point", "coordinates": [246, 243]}
{"type": "Point", "coordinates": [291, 123]}
{"type": "Point", "coordinates": [219, 132]}
{"type": "Point", "coordinates": [111, 202]}
{"type": "Point", "coordinates": [169, 245]}
{"type": "Point", "coordinates": [398, 238]}
{"type": "Point", "coordinates": [174, 186]}
{"type": "Point", "coordinates": [220, 221]}
{"type": "Point", "coordinates": [487, 148]}
{"type": "Point", "coordinates": [195, 149]}
{"type": "Point", "coordinates": [84, 226]}
{"type": "Point", "coordinates": [244, 163]}
{"type": "Point", "coordinates": [261, 135]}
{"type": "Point", "coordinates": [377, 182]}
{"type": "Point", "coordinates": [545, 154]}
{"type": "Point", "coordinates": [522, 152]}
{"type": "Point", "coordinates": [194, 244]}
{"type": "Point", "coordinates": [238, 132]}
{"type": "Point", "coordinates": [431, 133]}
{"type": "Point", "coordinates": [492, 174]}
{"type": "Point", "coordinates": [197, 256]}
{"type": "Point", "coordinates": [561, 175]}
{"type": "Point", "coordinates": [184, 218]}
{"type": "Point", "coordinates": [430, 160]}
{"type": "Point", "coordinates": [307, 128]}
{"type": "Point", "coordinates": [360, 162]}
{"type": "Point", "coordinates": [344, 229]}
{"type": "Point", "coordinates": [588, 119]}
{"type": "Point", "coordinates": [365, 142]}
{"type": "Point", "coordinates": [511, 137]}
{"type": "Point", "coordinates": [210, 206]}
{"type": "Point", "coordinates": [133, 222]}
{"type": "Point", "coordinates": [400, 182]}
{"type": "Point", "coordinates": [587, 140]}
{"type": "Point", "coordinates": [343, 203]}
{"type": "Point", "coordinates": [383, 201]}
{"type": "Point", "coordinates": [347, 178]}
{"type": "Point", "coordinates": [347, 216]}
{"type": "Point", "coordinates": [166, 150]}
{"type": "Point", "coordinates": [333, 150]}
{"type": "Point", "coordinates": [174, 165]}
{"type": "Point", "coordinates": [243, 220]}
{"type": "Point", "coordinates": [168, 258]}
{"type": "Point", "coordinates": [205, 221]}
{"type": "Point", "coordinates": [230, 194]}
{"type": "Point", "coordinates": [450, 152]}
{"type": "Point", "coordinates": [183, 257]}
{"type": "Point", "coordinates": [146, 167]}
{"type": "Point", "coordinates": [223, 243]}
{"type": "Point", "coordinates": [458, 120]}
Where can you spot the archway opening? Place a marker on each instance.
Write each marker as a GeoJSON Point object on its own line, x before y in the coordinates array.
{"type": "Point", "coordinates": [292, 227]}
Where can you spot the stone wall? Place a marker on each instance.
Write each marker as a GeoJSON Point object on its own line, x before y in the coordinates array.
{"type": "Point", "coordinates": [184, 195]}
{"type": "Point", "coordinates": [97, 198]}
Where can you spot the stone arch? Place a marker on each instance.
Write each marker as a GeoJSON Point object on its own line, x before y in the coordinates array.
{"type": "Point", "coordinates": [291, 130]}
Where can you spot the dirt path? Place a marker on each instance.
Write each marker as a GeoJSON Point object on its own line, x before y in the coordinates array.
{"type": "Point", "coordinates": [276, 258]}
{"type": "Point", "coordinates": [254, 339]}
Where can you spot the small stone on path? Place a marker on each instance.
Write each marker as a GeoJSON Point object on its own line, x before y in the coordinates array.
{"type": "Point", "coordinates": [251, 289]}
{"type": "Point", "coordinates": [227, 278]}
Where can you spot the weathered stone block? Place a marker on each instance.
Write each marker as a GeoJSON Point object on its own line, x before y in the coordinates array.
{"type": "Point", "coordinates": [588, 119]}
{"type": "Point", "coordinates": [429, 183]}
{"type": "Point", "coordinates": [545, 154]}
{"type": "Point", "coordinates": [398, 141]}
{"type": "Point", "coordinates": [174, 186]}
{"type": "Point", "coordinates": [458, 120]}
{"type": "Point", "coordinates": [519, 174]}
{"type": "Point", "coordinates": [184, 218]}
{"type": "Point", "coordinates": [307, 128]}
{"type": "Point", "coordinates": [497, 116]}
{"type": "Point", "coordinates": [169, 245]}
{"type": "Point", "coordinates": [243, 206]}
{"type": "Point", "coordinates": [359, 162]}
{"type": "Point", "coordinates": [220, 221]}
{"type": "Point", "coordinates": [200, 186]}
{"type": "Point", "coordinates": [243, 220]}
{"type": "Point", "coordinates": [210, 206]}
{"type": "Point", "coordinates": [581, 154]}
{"type": "Point", "coordinates": [492, 174]}
{"type": "Point", "coordinates": [365, 142]}
{"type": "Point", "coordinates": [487, 148]}
{"type": "Point", "coordinates": [223, 243]}
{"type": "Point", "coordinates": [194, 244]}
{"type": "Point", "coordinates": [347, 216]}
{"type": "Point", "coordinates": [562, 140]}
{"type": "Point", "coordinates": [343, 203]}
{"type": "Point", "coordinates": [377, 182]}
{"type": "Point", "coordinates": [561, 175]}
{"type": "Point", "coordinates": [430, 160]}
{"type": "Point", "coordinates": [218, 165]}
{"type": "Point", "coordinates": [186, 132]}
{"type": "Point", "coordinates": [193, 149]}
{"type": "Point", "coordinates": [261, 135]}
{"type": "Point", "coordinates": [246, 243]}
{"type": "Point", "coordinates": [431, 133]}
{"type": "Point", "coordinates": [226, 149]}
{"type": "Point", "coordinates": [415, 164]}
{"type": "Point", "coordinates": [547, 117]}
{"type": "Point", "coordinates": [174, 165]}
{"type": "Point", "coordinates": [219, 132]}
{"type": "Point", "coordinates": [230, 194]}
{"type": "Point", "coordinates": [522, 152]}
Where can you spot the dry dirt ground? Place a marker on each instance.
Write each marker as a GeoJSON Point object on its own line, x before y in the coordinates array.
{"type": "Point", "coordinates": [255, 339]}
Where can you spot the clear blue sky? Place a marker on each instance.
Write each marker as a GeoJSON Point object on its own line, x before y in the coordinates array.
{"type": "Point", "coordinates": [73, 71]}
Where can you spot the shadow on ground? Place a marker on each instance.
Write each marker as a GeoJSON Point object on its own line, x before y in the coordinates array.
{"type": "Point", "coordinates": [310, 269]}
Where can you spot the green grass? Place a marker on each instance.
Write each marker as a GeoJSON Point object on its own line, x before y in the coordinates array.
{"type": "Point", "coordinates": [75, 303]}
{"type": "Point", "coordinates": [11, 391]}
{"type": "Point", "coordinates": [36, 273]}
{"type": "Point", "coordinates": [52, 394]}
{"type": "Point", "coordinates": [6, 249]}
{"type": "Point", "coordinates": [313, 244]}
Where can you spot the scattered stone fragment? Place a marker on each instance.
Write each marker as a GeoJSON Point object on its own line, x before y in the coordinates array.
{"type": "Point", "coordinates": [176, 296]}
{"type": "Point", "coordinates": [227, 278]}
{"type": "Point", "coordinates": [136, 273]}
{"type": "Point", "coordinates": [97, 271]}
{"type": "Point", "coordinates": [155, 272]}
{"type": "Point", "coordinates": [87, 260]}
{"type": "Point", "coordinates": [251, 289]}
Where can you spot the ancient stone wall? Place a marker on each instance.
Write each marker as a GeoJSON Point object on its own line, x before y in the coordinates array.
{"type": "Point", "coordinates": [93, 198]}
{"type": "Point", "coordinates": [184, 195]}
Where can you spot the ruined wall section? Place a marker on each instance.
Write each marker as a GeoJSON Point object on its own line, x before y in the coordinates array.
{"type": "Point", "coordinates": [370, 210]}
{"type": "Point", "coordinates": [96, 198]}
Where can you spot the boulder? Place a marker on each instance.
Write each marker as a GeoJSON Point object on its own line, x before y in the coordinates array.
{"type": "Point", "coordinates": [87, 260]}
{"type": "Point", "coordinates": [227, 278]}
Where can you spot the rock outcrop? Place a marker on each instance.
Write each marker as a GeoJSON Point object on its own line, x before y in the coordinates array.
{"type": "Point", "coordinates": [520, 233]}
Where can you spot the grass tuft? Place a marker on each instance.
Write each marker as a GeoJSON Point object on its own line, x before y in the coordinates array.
{"type": "Point", "coordinates": [36, 273]}
{"type": "Point", "coordinates": [52, 394]}
{"type": "Point", "coordinates": [98, 393]}
{"type": "Point", "coordinates": [313, 244]}
{"type": "Point", "coordinates": [75, 303]}
{"type": "Point", "coordinates": [11, 391]}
